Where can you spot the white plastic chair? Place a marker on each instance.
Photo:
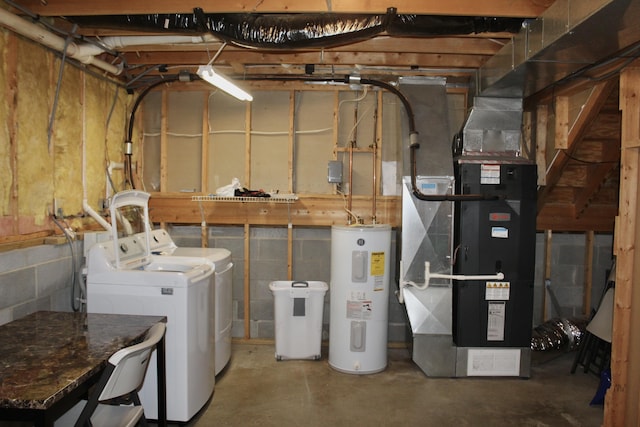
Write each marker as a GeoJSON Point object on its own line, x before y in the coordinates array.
{"type": "Point", "coordinates": [122, 378]}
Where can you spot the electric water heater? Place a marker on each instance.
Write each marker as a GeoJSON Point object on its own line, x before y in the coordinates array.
{"type": "Point", "coordinates": [359, 296]}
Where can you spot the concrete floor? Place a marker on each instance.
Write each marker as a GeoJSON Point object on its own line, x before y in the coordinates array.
{"type": "Point", "coordinates": [256, 390]}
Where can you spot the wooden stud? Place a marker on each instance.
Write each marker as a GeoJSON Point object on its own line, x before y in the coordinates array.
{"type": "Point", "coordinates": [247, 146]}
{"type": "Point", "coordinates": [336, 120]}
{"type": "Point", "coordinates": [247, 283]}
{"type": "Point", "coordinates": [621, 402]}
{"type": "Point", "coordinates": [164, 141]}
{"type": "Point", "coordinates": [247, 228]}
{"type": "Point", "coordinates": [11, 90]}
{"type": "Point", "coordinates": [562, 123]}
{"type": "Point", "coordinates": [204, 179]}
{"type": "Point", "coordinates": [292, 138]}
{"type": "Point", "coordinates": [289, 252]}
{"type": "Point", "coordinates": [542, 122]}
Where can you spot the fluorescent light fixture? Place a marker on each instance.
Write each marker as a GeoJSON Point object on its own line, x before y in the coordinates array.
{"type": "Point", "coordinates": [210, 75]}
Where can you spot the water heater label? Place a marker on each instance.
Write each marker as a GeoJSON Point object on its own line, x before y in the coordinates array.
{"type": "Point", "coordinates": [359, 310]}
{"type": "Point", "coordinates": [377, 263]}
{"type": "Point", "coordinates": [378, 283]}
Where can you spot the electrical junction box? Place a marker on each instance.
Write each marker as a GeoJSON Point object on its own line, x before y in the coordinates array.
{"type": "Point", "coordinates": [334, 171]}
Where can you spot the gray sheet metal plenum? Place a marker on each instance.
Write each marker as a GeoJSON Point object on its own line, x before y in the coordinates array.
{"type": "Point", "coordinates": [427, 227]}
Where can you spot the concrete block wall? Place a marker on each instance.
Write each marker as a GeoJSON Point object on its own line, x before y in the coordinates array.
{"type": "Point", "coordinates": [268, 262]}
{"type": "Point", "coordinates": [39, 278]}
{"type": "Point", "coordinates": [312, 261]}
{"type": "Point", "coordinates": [36, 278]}
{"type": "Point", "coordinates": [567, 273]}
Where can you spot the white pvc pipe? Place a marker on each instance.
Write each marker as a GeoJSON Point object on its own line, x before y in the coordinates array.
{"type": "Point", "coordinates": [38, 34]}
{"type": "Point", "coordinates": [112, 165]}
{"type": "Point", "coordinates": [95, 215]}
{"type": "Point", "coordinates": [428, 275]}
{"type": "Point", "coordinates": [117, 42]}
{"type": "Point", "coordinates": [86, 53]}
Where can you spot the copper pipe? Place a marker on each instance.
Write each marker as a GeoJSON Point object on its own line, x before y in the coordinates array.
{"type": "Point", "coordinates": [374, 147]}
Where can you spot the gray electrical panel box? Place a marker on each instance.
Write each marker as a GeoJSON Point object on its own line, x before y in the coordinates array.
{"type": "Point", "coordinates": [334, 171]}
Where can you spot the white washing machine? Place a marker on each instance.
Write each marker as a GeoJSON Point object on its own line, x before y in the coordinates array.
{"type": "Point", "coordinates": [124, 278]}
{"type": "Point", "coordinates": [162, 244]}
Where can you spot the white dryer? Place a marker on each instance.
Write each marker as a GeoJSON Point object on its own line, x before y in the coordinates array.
{"type": "Point", "coordinates": [162, 244]}
{"type": "Point", "coordinates": [124, 278]}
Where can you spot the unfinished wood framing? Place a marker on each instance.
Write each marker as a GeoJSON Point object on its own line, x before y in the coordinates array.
{"type": "Point", "coordinates": [621, 404]}
{"type": "Point", "coordinates": [578, 185]}
{"type": "Point", "coordinates": [247, 283]}
{"type": "Point", "coordinates": [204, 179]}
{"type": "Point", "coordinates": [312, 211]}
{"type": "Point", "coordinates": [524, 8]}
{"type": "Point", "coordinates": [289, 252]}
{"type": "Point", "coordinates": [542, 117]}
{"type": "Point", "coordinates": [377, 157]}
{"type": "Point", "coordinates": [11, 91]}
{"type": "Point", "coordinates": [336, 119]}
{"type": "Point", "coordinates": [292, 139]}
{"type": "Point", "coordinates": [562, 123]}
{"type": "Point", "coordinates": [247, 145]}
{"type": "Point", "coordinates": [164, 142]}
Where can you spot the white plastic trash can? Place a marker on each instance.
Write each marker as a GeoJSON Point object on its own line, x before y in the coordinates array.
{"type": "Point", "coordinates": [298, 307]}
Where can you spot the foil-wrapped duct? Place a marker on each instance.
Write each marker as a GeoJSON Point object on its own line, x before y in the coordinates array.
{"type": "Point", "coordinates": [558, 334]}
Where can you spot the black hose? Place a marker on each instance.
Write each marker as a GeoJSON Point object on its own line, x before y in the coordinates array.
{"type": "Point", "coordinates": [141, 97]}
{"type": "Point", "coordinates": [132, 116]}
{"type": "Point", "coordinates": [414, 145]}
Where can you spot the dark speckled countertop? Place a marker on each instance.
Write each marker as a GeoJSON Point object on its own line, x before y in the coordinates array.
{"type": "Point", "coordinates": [45, 355]}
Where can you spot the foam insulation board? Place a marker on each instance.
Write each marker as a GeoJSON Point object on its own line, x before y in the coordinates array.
{"type": "Point", "coordinates": [313, 141]}
{"type": "Point", "coordinates": [227, 123]}
{"type": "Point", "coordinates": [270, 141]}
{"type": "Point", "coordinates": [150, 142]}
{"type": "Point", "coordinates": [184, 146]}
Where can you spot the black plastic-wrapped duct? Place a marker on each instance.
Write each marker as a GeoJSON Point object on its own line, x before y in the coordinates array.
{"type": "Point", "coordinates": [301, 30]}
{"type": "Point", "coordinates": [291, 31]}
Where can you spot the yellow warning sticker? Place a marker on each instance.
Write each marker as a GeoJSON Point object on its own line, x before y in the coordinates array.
{"type": "Point", "coordinates": [377, 263]}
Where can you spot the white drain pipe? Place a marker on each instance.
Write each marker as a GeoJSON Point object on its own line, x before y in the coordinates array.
{"type": "Point", "coordinates": [118, 42]}
{"type": "Point", "coordinates": [86, 53]}
{"type": "Point", "coordinates": [38, 34]}
{"type": "Point", "coordinates": [428, 275]}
